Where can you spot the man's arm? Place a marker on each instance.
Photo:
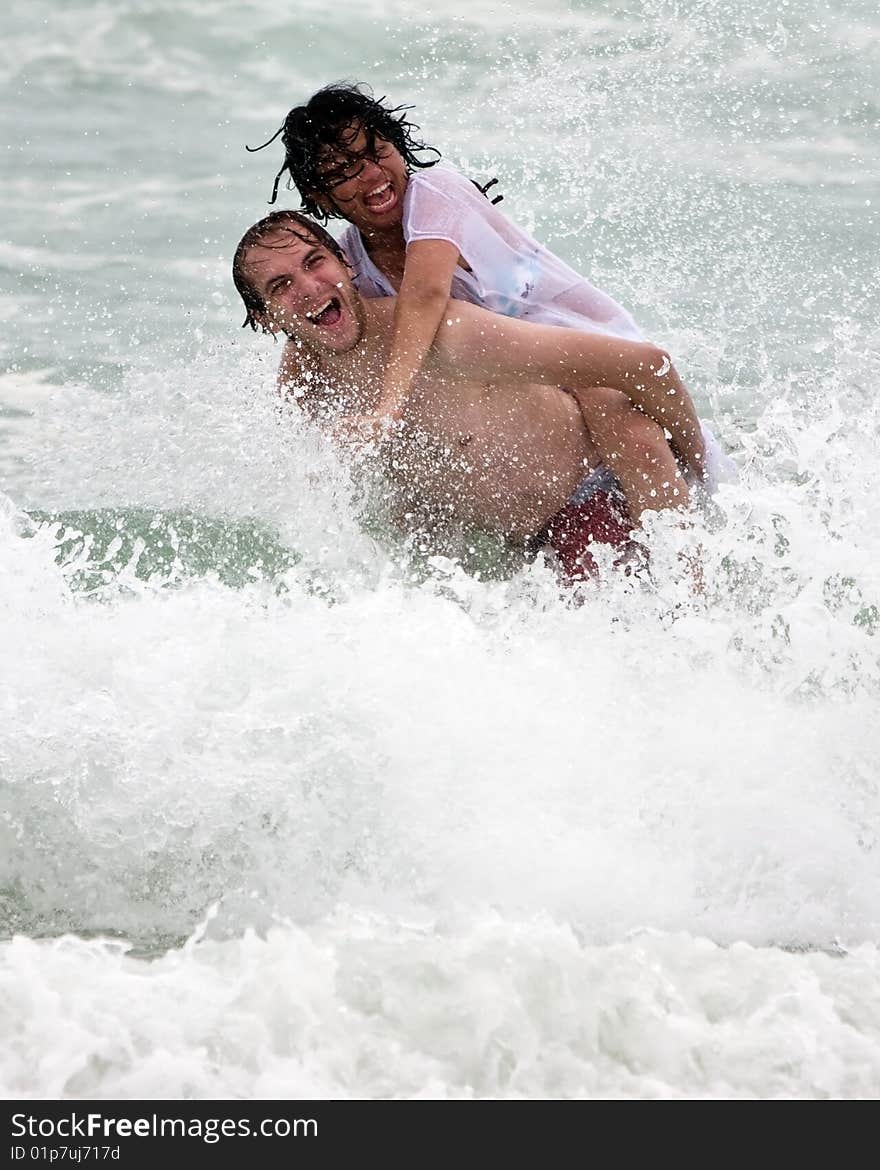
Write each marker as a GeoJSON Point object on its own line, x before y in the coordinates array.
{"type": "Point", "coordinates": [488, 347]}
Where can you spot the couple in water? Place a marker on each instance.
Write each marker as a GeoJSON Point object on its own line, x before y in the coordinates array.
{"type": "Point", "coordinates": [493, 385]}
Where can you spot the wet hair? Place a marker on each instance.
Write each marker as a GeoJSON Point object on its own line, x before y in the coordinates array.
{"type": "Point", "coordinates": [324, 124]}
{"type": "Point", "coordinates": [265, 235]}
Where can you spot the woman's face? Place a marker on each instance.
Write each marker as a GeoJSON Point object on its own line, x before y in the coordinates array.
{"type": "Point", "coordinates": [364, 186]}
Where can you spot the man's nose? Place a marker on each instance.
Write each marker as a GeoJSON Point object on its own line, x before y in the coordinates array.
{"type": "Point", "coordinates": [312, 288]}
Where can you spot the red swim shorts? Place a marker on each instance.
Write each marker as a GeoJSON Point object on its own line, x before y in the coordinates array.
{"type": "Point", "coordinates": [601, 519]}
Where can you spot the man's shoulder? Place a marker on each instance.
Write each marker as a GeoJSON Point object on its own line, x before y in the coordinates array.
{"type": "Point", "coordinates": [295, 369]}
{"type": "Point", "coordinates": [379, 316]}
{"type": "Point", "coordinates": [379, 307]}
{"type": "Point", "coordinates": [295, 358]}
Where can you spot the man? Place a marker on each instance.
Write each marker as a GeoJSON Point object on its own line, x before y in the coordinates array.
{"type": "Point", "coordinates": [509, 423]}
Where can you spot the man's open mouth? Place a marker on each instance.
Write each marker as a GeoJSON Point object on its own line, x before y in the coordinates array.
{"type": "Point", "coordinates": [326, 314]}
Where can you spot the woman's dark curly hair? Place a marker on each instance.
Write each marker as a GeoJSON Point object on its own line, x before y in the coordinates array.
{"type": "Point", "coordinates": [325, 124]}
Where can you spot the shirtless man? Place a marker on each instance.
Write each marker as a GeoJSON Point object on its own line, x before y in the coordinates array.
{"type": "Point", "coordinates": [490, 437]}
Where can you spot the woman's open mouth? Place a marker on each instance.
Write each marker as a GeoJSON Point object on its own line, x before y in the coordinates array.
{"type": "Point", "coordinates": [382, 198]}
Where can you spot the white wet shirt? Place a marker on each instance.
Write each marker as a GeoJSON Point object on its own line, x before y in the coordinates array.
{"type": "Point", "coordinates": [510, 272]}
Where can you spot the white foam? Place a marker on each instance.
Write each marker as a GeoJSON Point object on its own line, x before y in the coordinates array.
{"type": "Point", "coordinates": [470, 1006]}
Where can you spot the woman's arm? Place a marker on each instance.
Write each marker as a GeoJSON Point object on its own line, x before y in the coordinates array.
{"type": "Point", "coordinates": [420, 308]}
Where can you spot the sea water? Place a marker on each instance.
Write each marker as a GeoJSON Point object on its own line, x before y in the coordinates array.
{"type": "Point", "coordinates": [293, 808]}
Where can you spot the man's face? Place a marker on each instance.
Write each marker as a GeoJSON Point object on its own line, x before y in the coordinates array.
{"type": "Point", "coordinates": [307, 292]}
{"type": "Point", "coordinates": [365, 186]}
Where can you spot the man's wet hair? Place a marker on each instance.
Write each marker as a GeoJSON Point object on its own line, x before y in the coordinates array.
{"type": "Point", "coordinates": [271, 232]}
{"type": "Point", "coordinates": [328, 123]}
